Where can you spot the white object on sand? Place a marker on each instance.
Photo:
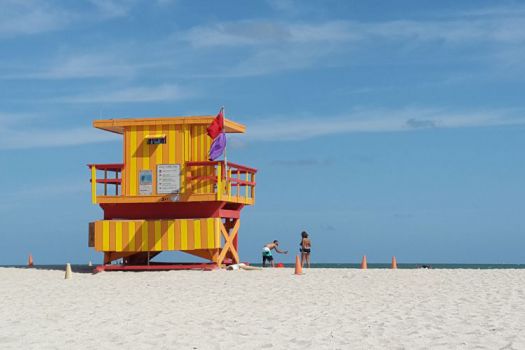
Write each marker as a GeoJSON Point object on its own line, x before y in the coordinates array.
{"type": "Point", "coordinates": [69, 273]}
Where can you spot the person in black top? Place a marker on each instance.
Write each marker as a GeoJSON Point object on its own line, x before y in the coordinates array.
{"type": "Point", "coordinates": [305, 249]}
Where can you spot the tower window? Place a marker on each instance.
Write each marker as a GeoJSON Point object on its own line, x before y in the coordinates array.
{"type": "Point", "coordinates": [156, 141]}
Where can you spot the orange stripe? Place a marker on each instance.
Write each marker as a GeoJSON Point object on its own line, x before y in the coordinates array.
{"type": "Point", "coordinates": [199, 156]}
{"type": "Point", "coordinates": [204, 233]}
{"type": "Point", "coordinates": [132, 230]}
{"type": "Point", "coordinates": [191, 235]}
{"type": "Point", "coordinates": [205, 157]}
{"type": "Point", "coordinates": [164, 234]}
{"type": "Point", "coordinates": [177, 235]}
{"type": "Point", "coordinates": [179, 147]}
{"type": "Point", "coordinates": [138, 153]}
{"type": "Point", "coordinates": [165, 147]}
{"type": "Point", "coordinates": [126, 162]}
{"type": "Point", "coordinates": [138, 236]}
{"type": "Point", "coordinates": [146, 150]}
{"type": "Point", "coordinates": [125, 236]}
{"type": "Point", "coordinates": [153, 160]}
{"type": "Point", "coordinates": [151, 235]}
{"type": "Point", "coordinates": [179, 157]}
{"type": "Point", "coordinates": [198, 142]}
{"type": "Point", "coordinates": [98, 236]}
{"type": "Point", "coordinates": [112, 243]}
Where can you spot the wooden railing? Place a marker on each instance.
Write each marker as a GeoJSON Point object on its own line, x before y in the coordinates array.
{"type": "Point", "coordinates": [215, 180]}
{"type": "Point", "coordinates": [229, 181]}
{"type": "Point", "coordinates": [112, 176]}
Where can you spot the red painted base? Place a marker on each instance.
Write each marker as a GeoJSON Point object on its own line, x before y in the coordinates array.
{"type": "Point", "coordinates": [157, 267]}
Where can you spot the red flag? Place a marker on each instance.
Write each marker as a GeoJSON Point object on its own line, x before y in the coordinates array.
{"type": "Point", "coordinates": [216, 125]}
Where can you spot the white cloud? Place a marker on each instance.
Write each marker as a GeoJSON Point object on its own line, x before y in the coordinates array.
{"type": "Point", "coordinates": [376, 120]}
{"type": "Point", "coordinates": [31, 17]}
{"type": "Point", "coordinates": [166, 92]}
{"type": "Point", "coordinates": [85, 66]}
{"type": "Point", "coordinates": [26, 138]}
{"type": "Point", "coordinates": [258, 32]}
{"type": "Point", "coordinates": [268, 46]}
{"type": "Point", "coordinates": [264, 32]}
{"type": "Point", "coordinates": [113, 8]}
{"type": "Point", "coordinates": [26, 17]}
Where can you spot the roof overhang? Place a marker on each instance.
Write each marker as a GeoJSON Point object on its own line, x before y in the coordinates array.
{"type": "Point", "coordinates": [118, 125]}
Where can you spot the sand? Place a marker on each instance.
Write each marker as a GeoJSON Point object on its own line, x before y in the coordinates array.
{"type": "Point", "coordinates": [270, 309]}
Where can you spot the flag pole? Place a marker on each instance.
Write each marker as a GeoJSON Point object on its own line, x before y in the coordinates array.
{"type": "Point", "coordinates": [226, 145]}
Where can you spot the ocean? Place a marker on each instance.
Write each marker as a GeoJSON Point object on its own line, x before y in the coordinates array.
{"type": "Point", "coordinates": [88, 269]}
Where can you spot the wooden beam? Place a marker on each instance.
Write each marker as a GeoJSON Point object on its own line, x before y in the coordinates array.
{"type": "Point", "coordinates": [229, 241]}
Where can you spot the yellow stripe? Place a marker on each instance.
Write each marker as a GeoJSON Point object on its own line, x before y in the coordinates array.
{"type": "Point", "coordinates": [171, 145]}
{"type": "Point", "coordinates": [210, 232]}
{"type": "Point", "coordinates": [105, 235]}
{"type": "Point", "coordinates": [93, 185]}
{"type": "Point", "coordinates": [217, 233]}
{"type": "Point", "coordinates": [145, 151]}
{"type": "Point", "coordinates": [197, 234]}
{"type": "Point", "coordinates": [219, 181]}
{"type": "Point", "coordinates": [131, 235]}
{"type": "Point", "coordinates": [118, 236]}
{"type": "Point", "coordinates": [132, 176]}
{"type": "Point", "coordinates": [186, 144]}
{"type": "Point", "coordinates": [186, 154]}
{"type": "Point", "coordinates": [194, 144]}
{"type": "Point", "coordinates": [202, 136]}
{"type": "Point", "coordinates": [171, 235]}
{"type": "Point", "coordinates": [144, 247]}
{"type": "Point", "coordinates": [158, 242]}
{"type": "Point", "coordinates": [184, 234]}
{"type": "Point", "coordinates": [158, 151]}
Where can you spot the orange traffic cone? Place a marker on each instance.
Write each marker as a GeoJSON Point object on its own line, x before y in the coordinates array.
{"type": "Point", "coordinates": [394, 263]}
{"type": "Point", "coordinates": [30, 261]}
{"type": "Point", "coordinates": [298, 266]}
{"type": "Point", "coordinates": [364, 265]}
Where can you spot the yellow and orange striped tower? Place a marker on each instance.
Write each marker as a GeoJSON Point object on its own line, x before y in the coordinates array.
{"type": "Point", "coordinates": [166, 195]}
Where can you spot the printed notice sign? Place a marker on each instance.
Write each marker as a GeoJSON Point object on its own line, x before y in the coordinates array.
{"type": "Point", "coordinates": [145, 182]}
{"type": "Point", "coordinates": [168, 178]}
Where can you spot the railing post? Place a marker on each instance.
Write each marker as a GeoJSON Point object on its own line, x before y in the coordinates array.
{"type": "Point", "coordinates": [116, 185]}
{"type": "Point", "coordinates": [238, 184]}
{"type": "Point", "coordinates": [219, 181]}
{"type": "Point", "coordinates": [187, 187]}
{"type": "Point", "coordinates": [253, 186]}
{"type": "Point", "coordinates": [229, 179]}
{"type": "Point", "coordinates": [246, 186]}
{"type": "Point", "coordinates": [93, 184]}
{"type": "Point", "coordinates": [105, 183]}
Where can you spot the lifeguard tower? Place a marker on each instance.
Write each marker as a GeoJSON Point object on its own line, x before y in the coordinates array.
{"type": "Point", "coordinates": [166, 195]}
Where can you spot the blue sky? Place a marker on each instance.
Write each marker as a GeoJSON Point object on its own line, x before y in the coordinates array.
{"type": "Point", "coordinates": [382, 128]}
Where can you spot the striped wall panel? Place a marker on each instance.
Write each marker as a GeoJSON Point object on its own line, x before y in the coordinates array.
{"type": "Point", "coordinates": [138, 155]}
{"type": "Point", "coordinates": [200, 145]}
{"type": "Point", "coordinates": [156, 235]}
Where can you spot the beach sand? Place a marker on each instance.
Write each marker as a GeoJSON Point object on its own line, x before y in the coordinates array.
{"type": "Point", "coordinates": [269, 309]}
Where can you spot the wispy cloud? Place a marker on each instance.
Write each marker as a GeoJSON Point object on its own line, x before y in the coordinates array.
{"type": "Point", "coordinates": [267, 46]}
{"type": "Point", "coordinates": [39, 16]}
{"type": "Point", "coordinates": [306, 162]}
{"type": "Point", "coordinates": [452, 29]}
{"type": "Point", "coordinates": [113, 8]}
{"type": "Point", "coordinates": [31, 17]}
{"type": "Point", "coordinates": [17, 133]}
{"type": "Point", "coordinates": [358, 121]}
{"type": "Point", "coordinates": [78, 66]}
{"type": "Point", "coordinates": [165, 92]}
{"type": "Point", "coordinates": [259, 32]}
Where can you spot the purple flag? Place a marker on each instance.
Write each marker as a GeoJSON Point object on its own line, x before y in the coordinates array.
{"type": "Point", "coordinates": [217, 147]}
